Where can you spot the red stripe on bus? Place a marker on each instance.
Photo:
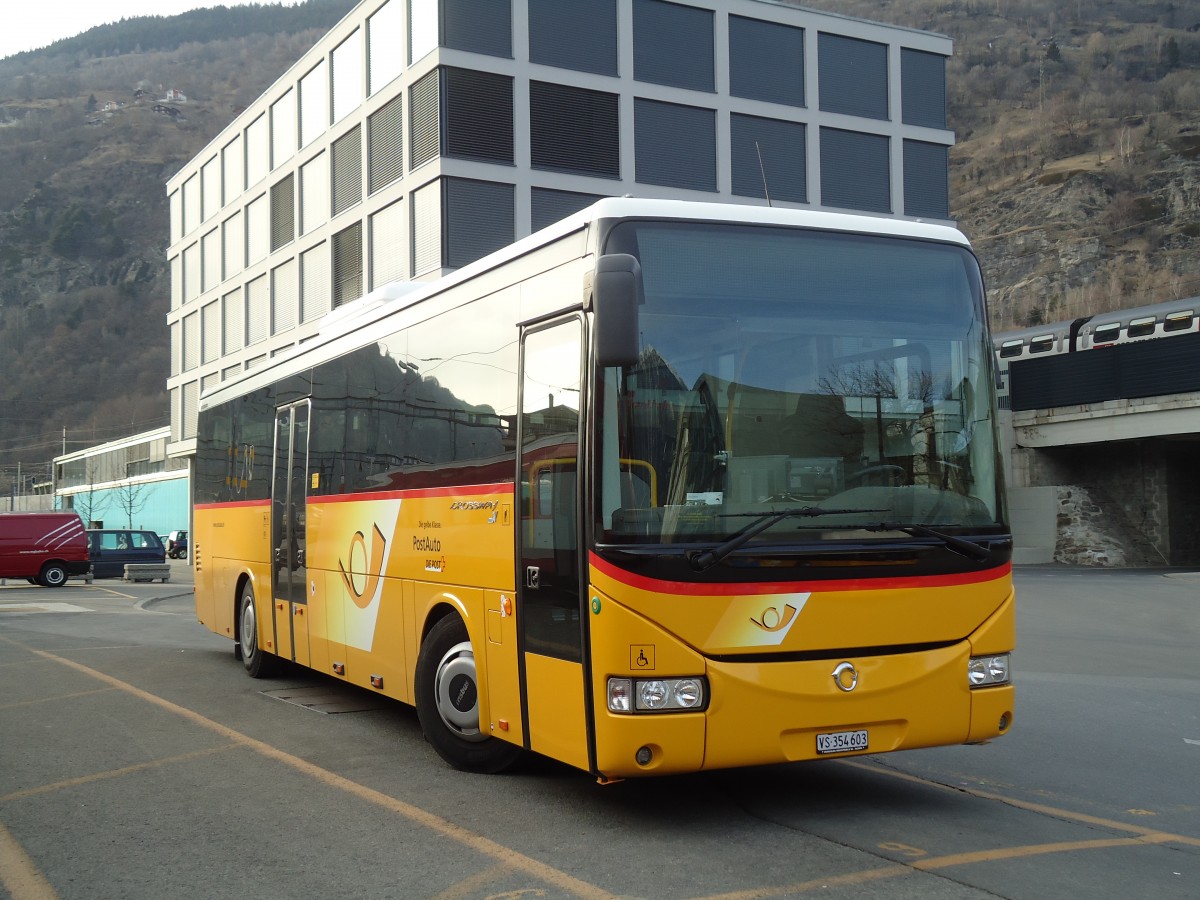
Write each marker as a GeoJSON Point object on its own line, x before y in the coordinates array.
{"type": "Point", "coordinates": [793, 587]}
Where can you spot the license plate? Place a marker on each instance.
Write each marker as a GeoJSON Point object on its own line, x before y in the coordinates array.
{"type": "Point", "coordinates": [842, 741]}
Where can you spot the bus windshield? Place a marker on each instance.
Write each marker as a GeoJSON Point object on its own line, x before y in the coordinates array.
{"type": "Point", "coordinates": [843, 374]}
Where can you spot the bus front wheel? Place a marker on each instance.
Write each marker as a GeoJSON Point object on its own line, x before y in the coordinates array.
{"type": "Point", "coordinates": [258, 662]}
{"type": "Point", "coordinates": [448, 702]}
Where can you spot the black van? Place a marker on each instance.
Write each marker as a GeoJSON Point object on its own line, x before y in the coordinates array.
{"type": "Point", "coordinates": [111, 548]}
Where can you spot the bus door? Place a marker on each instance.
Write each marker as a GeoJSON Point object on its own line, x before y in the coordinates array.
{"type": "Point", "coordinates": [289, 572]}
{"type": "Point", "coordinates": [549, 562]}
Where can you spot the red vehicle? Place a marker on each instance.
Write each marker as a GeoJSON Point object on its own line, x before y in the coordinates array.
{"type": "Point", "coordinates": [43, 547]}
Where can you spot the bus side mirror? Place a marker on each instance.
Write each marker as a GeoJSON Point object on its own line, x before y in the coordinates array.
{"type": "Point", "coordinates": [618, 294]}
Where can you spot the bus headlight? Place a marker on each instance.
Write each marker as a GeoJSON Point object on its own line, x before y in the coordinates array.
{"type": "Point", "coordinates": [634, 695]}
{"type": "Point", "coordinates": [984, 671]}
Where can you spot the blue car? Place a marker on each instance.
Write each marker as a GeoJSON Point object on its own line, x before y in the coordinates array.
{"type": "Point", "coordinates": [109, 549]}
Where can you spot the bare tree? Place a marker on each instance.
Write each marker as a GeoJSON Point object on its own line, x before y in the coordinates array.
{"type": "Point", "coordinates": [131, 498]}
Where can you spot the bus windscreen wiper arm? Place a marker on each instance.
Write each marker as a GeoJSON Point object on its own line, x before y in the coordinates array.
{"type": "Point", "coordinates": [706, 559]}
{"type": "Point", "coordinates": [969, 549]}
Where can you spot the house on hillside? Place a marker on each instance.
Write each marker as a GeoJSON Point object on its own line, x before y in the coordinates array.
{"type": "Point", "coordinates": [113, 105]}
{"type": "Point", "coordinates": [175, 96]}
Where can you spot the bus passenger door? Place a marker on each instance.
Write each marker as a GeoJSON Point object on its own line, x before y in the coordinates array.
{"type": "Point", "coordinates": [289, 572]}
{"type": "Point", "coordinates": [549, 611]}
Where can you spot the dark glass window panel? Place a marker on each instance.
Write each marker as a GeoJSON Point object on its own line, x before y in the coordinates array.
{"type": "Point", "coordinates": [675, 145]}
{"type": "Point", "coordinates": [853, 76]}
{"type": "Point", "coordinates": [779, 146]}
{"type": "Point", "coordinates": [854, 171]}
{"type": "Point", "coordinates": [574, 34]}
{"type": "Point", "coordinates": [574, 130]}
{"type": "Point", "coordinates": [673, 44]}
{"type": "Point", "coordinates": [766, 61]}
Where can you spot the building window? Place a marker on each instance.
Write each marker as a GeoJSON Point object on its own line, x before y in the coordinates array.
{"type": "Point", "coordinates": [574, 130]}
{"type": "Point", "coordinates": [347, 170]}
{"type": "Point", "coordinates": [479, 219]}
{"type": "Point", "coordinates": [853, 76]}
{"type": "Point", "coordinates": [210, 326]}
{"type": "Point", "coordinates": [923, 88]}
{"type": "Point", "coordinates": [580, 35]}
{"type": "Point", "coordinates": [191, 204]}
{"type": "Point", "coordinates": [283, 212]}
{"type": "Point", "coordinates": [422, 28]}
{"type": "Point", "coordinates": [675, 146]}
{"type": "Point", "coordinates": [673, 44]}
{"type": "Point", "coordinates": [257, 151]}
{"type": "Point", "coordinates": [479, 26]}
{"type": "Point", "coordinates": [176, 213]}
{"type": "Point", "coordinates": [283, 129]}
{"type": "Point", "coordinates": [854, 171]}
{"type": "Point", "coordinates": [192, 274]}
{"type": "Point", "coordinates": [766, 61]}
{"type": "Point", "coordinates": [176, 281]}
{"type": "Point", "coordinates": [385, 33]}
{"type": "Point", "coordinates": [285, 297]}
{"type": "Point", "coordinates": [210, 249]}
{"type": "Point", "coordinates": [314, 282]}
{"type": "Point", "coordinates": [478, 115]}
{"type": "Point", "coordinates": [210, 188]}
{"type": "Point", "coordinates": [233, 170]}
{"type": "Point", "coordinates": [258, 230]}
{"type": "Point", "coordinates": [314, 193]}
{"type": "Point", "coordinates": [926, 180]}
{"type": "Point", "coordinates": [347, 265]}
{"type": "Point", "coordinates": [233, 331]}
{"type": "Point", "coordinates": [385, 145]}
{"type": "Point", "coordinates": [549, 206]}
{"type": "Point", "coordinates": [258, 310]}
{"type": "Point", "coordinates": [427, 228]}
{"type": "Point", "coordinates": [347, 76]}
{"type": "Point", "coordinates": [768, 158]}
{"type": "Point", "coordinates": [233, 239]}
{"type": "Point", "coordinates": [389, 249]}
{"type": "Point", "coordinates": [314, 104]}
{"type": "Point", "coordinates": [424, 110]}
{"type": "Point", "coordinates": [191, 341]}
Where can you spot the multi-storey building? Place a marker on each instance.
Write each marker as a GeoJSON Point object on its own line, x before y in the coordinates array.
{"type": "Point", "coordinates": [419, 135]}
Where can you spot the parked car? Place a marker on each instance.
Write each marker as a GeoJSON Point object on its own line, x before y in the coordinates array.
{"type": "Point", "coordinates": [111, 549]}
{"type": "Point", "coordinates": [43, 548]}
{"type": "Point", "coordinates": [177, 545]}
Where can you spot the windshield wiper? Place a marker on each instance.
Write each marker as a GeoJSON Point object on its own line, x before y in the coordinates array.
{"type": "Point", "coordinates": [969, 549]}
{"type": "Point", "coordinates": [706, 559]}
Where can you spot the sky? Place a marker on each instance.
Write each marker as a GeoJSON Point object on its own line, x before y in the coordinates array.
{"type": "Point", "coordinates": [42, 22]}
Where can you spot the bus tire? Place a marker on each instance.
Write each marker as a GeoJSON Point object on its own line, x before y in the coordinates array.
{"type": "Point", "coordinates": [52, 575]}
{"type": "Point", "coordinates": [258, 662]}
{"type": "Point", "coordinates": [448, 702]}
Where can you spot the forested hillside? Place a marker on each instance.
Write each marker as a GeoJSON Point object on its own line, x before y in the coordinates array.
{"type": "Point", "coordinates": [1076, 173]}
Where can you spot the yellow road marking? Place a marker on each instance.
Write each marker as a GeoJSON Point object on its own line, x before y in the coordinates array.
{"type": "Point", "coordinates": [477, 842]}
{"type": "Point", "coordinates": [468, 886]}
{"type": "Point", "coordinates": [1043, 808]}
{"type": "Point", "coordinates": [19, 876]}
{"type": "Point", "coordinates": [113, 773]}
{"type": "Point", "coordinates": [39, 700]}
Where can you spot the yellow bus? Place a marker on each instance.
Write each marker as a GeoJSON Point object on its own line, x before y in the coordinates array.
{"type": "Point", "coordinates": [665, 487]}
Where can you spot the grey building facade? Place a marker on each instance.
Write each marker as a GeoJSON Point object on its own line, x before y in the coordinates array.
{"type": "Point", "coordinates": [419, 135]}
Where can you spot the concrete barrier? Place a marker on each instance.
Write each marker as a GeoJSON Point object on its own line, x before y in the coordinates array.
{"type": "Point", "coordinates": [147, 572]}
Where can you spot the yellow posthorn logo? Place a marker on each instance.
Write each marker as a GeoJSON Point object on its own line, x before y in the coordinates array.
{"type": "Point", "coordinates": [771, 619]}
{"type": "Point", "coordinates": [362, 596]}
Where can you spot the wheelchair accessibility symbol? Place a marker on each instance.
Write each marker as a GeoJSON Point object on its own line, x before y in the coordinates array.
{"type": "Point", "coordinates": [641, 657]}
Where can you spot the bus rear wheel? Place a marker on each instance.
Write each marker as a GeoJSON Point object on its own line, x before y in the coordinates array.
{"type": "Point", "coordinates": [258, 662]}
{"type": "Point", "coordinates": [448, 702]}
